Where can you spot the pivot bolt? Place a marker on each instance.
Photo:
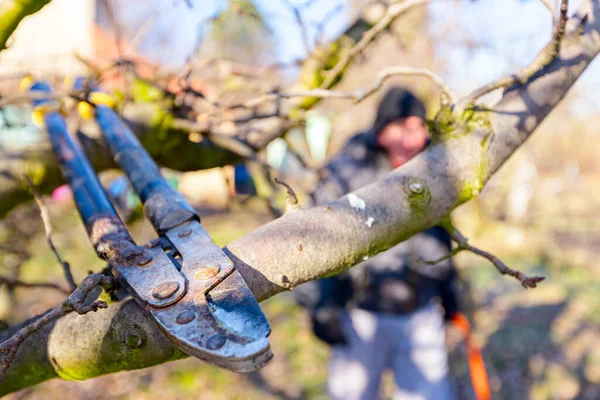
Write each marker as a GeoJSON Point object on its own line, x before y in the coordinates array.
{"type": "Point", "coordinates": [184, 233]}
{"type": "Point", "coordinates": [165, 290]}
{"type": "Point", "coordinates": [207, 272]}
{"type": "Point", "coordinates": [416, 187]}
{"type": "Point", "coordinates": [185, 317]}
{"type": "Point", "coordinates": [215, 342]}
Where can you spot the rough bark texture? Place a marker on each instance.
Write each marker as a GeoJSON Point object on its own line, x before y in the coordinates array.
{"type": "Point", "coordinates": [313, 243]}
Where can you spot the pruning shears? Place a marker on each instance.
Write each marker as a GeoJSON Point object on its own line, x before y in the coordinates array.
{"type": "Point", "coordinates": [185, 282]}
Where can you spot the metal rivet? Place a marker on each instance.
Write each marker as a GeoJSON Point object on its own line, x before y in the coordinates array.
{"type": "Point", "coordinates": [207, 272]}
{"type": "Point", "coordinates": [165, 290]}
{"type": "Point", "coordinates": [133, 339]}
{"type": "Point", "coordinates": [416, 187]}
{"type": "Point", "coordinates": [215, 342]}
{"type": "Point", "coordinates": [185, 317]}
{"type": "Point", "coordinates": [185, 233]}
{"type": "Point", "coordinates": [144, 259]}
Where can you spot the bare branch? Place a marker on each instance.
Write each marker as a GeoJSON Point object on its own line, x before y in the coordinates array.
{"type": "Point", "coordinates": [75, 302]}
{"type": "Point", "coordinates": [46, 285]}
{"type": "Point", "coordinates": [386, 73]}
{"type": "Point", "coordinates": [116, 28]}
{"type": "Point", "coordinates": [28, 96]}
{"type": "Point", "coordinates": [391, 13]}
{"type": "Point", "coordinates": [358, 95]}
{"type": "Point", "coordinates": [301, 25]}
{"type": "Point", "coordinates": [320, 29]}
{"type": "Point", "coordinates": [550, 6]}
{"type": "Point", "coordinates": [559, 31]}
{"type": "Point", "coordinates": [462, 242]}
{"type": "Point", "coordinates": [541, 61]}
{"type": "Point", "coordinates": [291, 198]}
{"type": "Point", "coordinates": [48, 229]}
{"type": "Point", "coordinates": [146, 25]}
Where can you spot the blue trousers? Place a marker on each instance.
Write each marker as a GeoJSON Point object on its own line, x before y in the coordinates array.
{"type": "Point", "coordinates": [411, 345]}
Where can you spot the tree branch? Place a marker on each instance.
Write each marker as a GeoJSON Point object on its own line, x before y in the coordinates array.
{"type": "Point", "coordinates": [46, 285]}
{"type": "Point", "coordinates": [358, 95]}
{"type": "Point", "coordinates": [462, 242]}
{"type": "Point", "coordinates": [549, 6]}
{"type": "Point", "coordinates": [75, 302]}
{"type": "Point", "coordinates": [48, 230]}
{"type": "Point", "coordinates": [541, 61]}
{"type": "Point", "coordinates": [391, 13]}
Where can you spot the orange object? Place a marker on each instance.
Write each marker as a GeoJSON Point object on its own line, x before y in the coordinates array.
{"type": "Point", "coordinates": [479, 377]}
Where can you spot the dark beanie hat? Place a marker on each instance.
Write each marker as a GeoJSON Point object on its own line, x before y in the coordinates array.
{"type": "Point", "coordinates": [397, 103]}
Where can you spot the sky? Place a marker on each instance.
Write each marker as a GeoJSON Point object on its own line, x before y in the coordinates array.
{"type": "Point", "coordinates": [505, 35]}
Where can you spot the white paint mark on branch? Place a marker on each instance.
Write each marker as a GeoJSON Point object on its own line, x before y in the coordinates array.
{"type": "Point", "coordinates": [370, 221]}
{"type": "Point", "coordinates": [356, 202]}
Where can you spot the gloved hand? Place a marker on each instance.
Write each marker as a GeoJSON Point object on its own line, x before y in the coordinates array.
{"type": "Point", "coordinates": [328, 326]}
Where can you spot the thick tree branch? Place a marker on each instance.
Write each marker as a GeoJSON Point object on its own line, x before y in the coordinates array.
{"type": "Point", "coordinates": [75, 302]}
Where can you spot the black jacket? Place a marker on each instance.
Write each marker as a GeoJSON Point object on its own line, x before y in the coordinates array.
{"type": "Point", "coordinates": [392, 281]}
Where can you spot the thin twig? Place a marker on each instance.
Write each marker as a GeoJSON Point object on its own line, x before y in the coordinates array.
{"type": "Point", "coordinates": [75, 302]}
{"type": "Point", "coordinates": [462, 242]}
{"type": "Point", "coordinates": [550, 7]}
{"type": "Point", "coordinates": [322, 24]}
{"type": "Point", "coordinates": [559, 32]}
{"type": "Point", "coordinates": [391, 13]}
{"type": "Point", "coordinates": [320, 29]}
{"type": "Point", "coordinates": [48, 229]}
{"type": "Point", "coordinates": [358, 95]}
{"type": "Point", "coordinates": [301, 25]}
{"type": "Point", "coordinates": [28, 96]}
{"type": "Point", "coordinates": [386, 73]}
{"type": "Point", "coordinates": [116, 28]}
{"type": "Point", "coordinates": [291, 198]}
{"type": "Point", "coordinates": [146, 25]}
{"type": "Point", "coordinates": [45, 285]}
{"type": "Point", "coordinates": [541, 61]}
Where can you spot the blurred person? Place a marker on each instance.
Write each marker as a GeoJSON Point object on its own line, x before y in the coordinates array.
{"type": "Point", "coordinates": [388, 311]}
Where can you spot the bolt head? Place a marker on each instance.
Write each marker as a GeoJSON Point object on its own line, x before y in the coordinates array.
{"type": "Point", "coordinates": [134, 340]}
{"type": "Point", "coordinates": [144, 259]}
{"type": "Point", "coordinates": [165, 290]}
{"type": "Point", "coordinates": [207, 272]}
{"type": "Point", "coordinates": [184, 233]}
{"type": "Point", "coordinates": [185, 317]}
{"type": "Point", "coordinates": [416, 187]}
{"type": "Point", "coordinates": [215, 342]}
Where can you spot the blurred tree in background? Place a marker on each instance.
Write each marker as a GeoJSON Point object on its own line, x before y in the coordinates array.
{"type": "Point", "coordinates": [209, 85]}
